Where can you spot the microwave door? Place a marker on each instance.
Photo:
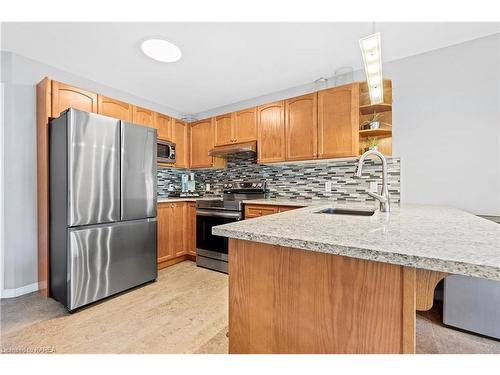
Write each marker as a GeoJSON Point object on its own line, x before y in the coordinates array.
{"type": "Point", "coordinates": [166, 152]}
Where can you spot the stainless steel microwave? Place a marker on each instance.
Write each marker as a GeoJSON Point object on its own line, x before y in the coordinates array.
{"type": "Point", "coordinates": [166, 152]}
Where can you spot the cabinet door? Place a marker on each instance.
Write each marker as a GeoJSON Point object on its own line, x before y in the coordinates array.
{"type": "Point", "coordinates": [143, 116]}
{"type": "Point", "coordinates": [223, 129]}
{"type": "Point", "coordinates": [179, 238]}
{"type": "Point", "coordinates": [114, 108]}
{"type": "Point", "coordinates": [301, 127]}
{"type": "Point", "coordinates": [66, 96]}
{"type": "Point", "coordinates": [165, 230]}
{"type": "Point", "coordinates": [245, 125]}
{"type": "Point", "coordinates": [163, 125]}
{"type": "Point", "coordinates": [271, 132]}
{"type": "Point", "coordinates": [180, 138]}
{"type": "Point", "coordinates": [338, 121]}
{"type": "Point", "coordinates": [190, 217]}
{"type": "Point", "coordinates": [201, 142]}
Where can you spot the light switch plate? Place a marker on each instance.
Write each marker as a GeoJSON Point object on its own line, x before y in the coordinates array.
{"type": "Point", "coordinates": [328, 186]}
{"type": "Point", "coordinates": [373, 186]}
{"type": "Point", "coordinates": [207, 187]}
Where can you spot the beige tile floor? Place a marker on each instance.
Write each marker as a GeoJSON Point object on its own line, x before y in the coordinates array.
{"type": "Point", "coordinates": [185, 311]}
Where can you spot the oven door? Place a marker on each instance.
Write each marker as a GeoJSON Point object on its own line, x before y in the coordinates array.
{"type": "Point", "coordinates": [208, 244]}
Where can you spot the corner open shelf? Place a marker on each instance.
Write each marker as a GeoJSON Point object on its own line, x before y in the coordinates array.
{"type": "Point", "coordinates": [370, 108]}
{"type": "Point", "coordinates": [381, 132]}
{"type": "Point", "coordinates": [382, 135]}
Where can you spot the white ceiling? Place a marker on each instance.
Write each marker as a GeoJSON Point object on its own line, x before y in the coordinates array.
{"type": "Point", "coordinates": [222, 63]}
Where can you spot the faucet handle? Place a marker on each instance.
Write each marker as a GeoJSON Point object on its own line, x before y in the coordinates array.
{"type": "Point", "coordinates": [378, 197]}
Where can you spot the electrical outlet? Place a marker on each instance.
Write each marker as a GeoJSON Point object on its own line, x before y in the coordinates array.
{"type": "Point", "coordinates": [171, 187]}
{"type": "Point", "coordinates": [328, 186]}
{"type": "Point", "coordinates": [207, 187]}
{"type": "Point", "coordinates": [373, 186]}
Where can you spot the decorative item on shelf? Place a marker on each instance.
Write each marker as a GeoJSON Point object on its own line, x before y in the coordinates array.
{"type": "Point", "coordinates": [188, 118]}
{"type": "Point", "coordinates": [371, 144]}
{"type": "Point", "coordinates": [343, 75]}
{"type": "Point", "coordinates": [373, 122]}
{"type": "Point", "coordinates": [320, 84]}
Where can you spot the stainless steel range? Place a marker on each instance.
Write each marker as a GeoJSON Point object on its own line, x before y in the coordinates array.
{"type": "Point", "coordinates": [211, 251]}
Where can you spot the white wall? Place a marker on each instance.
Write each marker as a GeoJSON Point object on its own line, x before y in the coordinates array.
{"type": "Point", "coordinates": [446, 116]}
{"type": "Point", "coordinates": [446, 131]}
{"type": "Point", "coordinates": [20, 75]}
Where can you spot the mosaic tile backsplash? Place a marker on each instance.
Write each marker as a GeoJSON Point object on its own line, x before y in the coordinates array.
{"type": "Point", "coordinates": [293, 181]}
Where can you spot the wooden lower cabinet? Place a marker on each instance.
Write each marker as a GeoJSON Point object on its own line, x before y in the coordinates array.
{"type": "Point", "coordinates": [190, 209]}
{"type": "Point", "coordinates": [176, 232]}
{"type": "Point", "coordinates": [258, 210]}
{"type": "Point", "coordinates": [284, 300]}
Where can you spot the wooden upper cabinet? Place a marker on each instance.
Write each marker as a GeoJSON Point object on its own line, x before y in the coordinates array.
{"type": "Point", "coordinates": [271, 132]}
{"type": "Point", "coordinates": [201, 141]}
{"type": "Point", "coordinates": [338, 121]}
{"type": "Point", "coordinates": [180, 138]}
{"type": "Point", "coordinates": [114, 108]}
{"type": "Point", "coordinates": [223, 129]}
{"type": "Point", "coordinates": [301, 127]}
{"type": "Point", "coordinates": [245, 125]}
{"type": "Point", "coordinates": [163, 125]}
{"type": "Point", "coordinates": [143, 116]}
{"type": "Point", "coordinates": [66, 96]}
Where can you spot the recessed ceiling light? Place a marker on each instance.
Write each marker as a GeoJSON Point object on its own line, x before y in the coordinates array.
{"type": "Point", "coordinates": [161, 50]}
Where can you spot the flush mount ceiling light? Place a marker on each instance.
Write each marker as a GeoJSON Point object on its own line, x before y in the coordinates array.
{"type": "Point", "coordinates": [161, 50]}
{"type": "Point", "coordinates": [372, 57]}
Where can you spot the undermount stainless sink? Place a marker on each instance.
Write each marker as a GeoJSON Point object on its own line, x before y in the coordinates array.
{"type": "Point", "coordinates": [346, 211]}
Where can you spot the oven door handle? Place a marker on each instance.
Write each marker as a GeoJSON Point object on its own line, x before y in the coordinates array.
{"type": "Point", "coordinates": [211, 213]}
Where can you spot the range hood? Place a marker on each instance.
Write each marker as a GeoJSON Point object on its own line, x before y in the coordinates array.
{"type": "Point", "coordinates": [243, 150]}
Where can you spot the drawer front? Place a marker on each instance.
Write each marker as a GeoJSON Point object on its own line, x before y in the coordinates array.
{"type": "Point", "coordinates": [257, 211]}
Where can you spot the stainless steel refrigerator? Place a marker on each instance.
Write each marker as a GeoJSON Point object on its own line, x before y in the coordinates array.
{"type": "Point", "coordinates": [102, 207]}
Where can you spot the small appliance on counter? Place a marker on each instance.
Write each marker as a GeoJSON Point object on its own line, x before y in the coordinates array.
{"type": "Point", "coordinates": [188, 184]}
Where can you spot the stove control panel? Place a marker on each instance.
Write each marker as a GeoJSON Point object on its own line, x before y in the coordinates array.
{"type": "Point", "coordinates": [251, 185]}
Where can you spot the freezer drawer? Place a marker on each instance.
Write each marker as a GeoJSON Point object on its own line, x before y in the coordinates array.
{"type": "Point", "coordinates": [472, 304]}
{"type": "Point", "coordinates": [138, 172]}
{"type": "Point", "coordinates": [107, 259]}
{"type": "Point", "coordinates": [93, 168]}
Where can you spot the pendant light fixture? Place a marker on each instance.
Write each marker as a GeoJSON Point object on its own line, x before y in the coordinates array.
{"type": "Point", "coordinates": [372, 58]}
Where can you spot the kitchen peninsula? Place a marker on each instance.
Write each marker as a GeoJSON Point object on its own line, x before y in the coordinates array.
{"type": "Point", "coordinates": [306, 282]}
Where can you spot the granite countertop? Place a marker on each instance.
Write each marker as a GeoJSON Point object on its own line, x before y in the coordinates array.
{"type": "Point", "coordinates": [186, 199]}
{"type": "Point", "coordinates": [429, 237]}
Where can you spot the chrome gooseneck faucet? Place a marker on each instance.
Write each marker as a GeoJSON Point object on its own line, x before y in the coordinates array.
{"type": "Point", "coordinates": [383, 198]}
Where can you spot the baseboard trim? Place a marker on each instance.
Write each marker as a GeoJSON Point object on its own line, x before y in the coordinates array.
{"type": "Point", "coordinates": [11, 293]}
